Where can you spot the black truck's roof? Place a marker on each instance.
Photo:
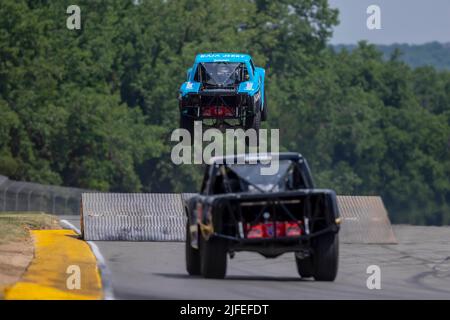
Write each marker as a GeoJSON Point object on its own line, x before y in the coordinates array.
{"type": "Point", "coordinates": [294, 156]}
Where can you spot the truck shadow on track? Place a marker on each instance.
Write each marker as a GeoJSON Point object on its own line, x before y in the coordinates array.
{"type": "Point", "coordinates": [235, 277]}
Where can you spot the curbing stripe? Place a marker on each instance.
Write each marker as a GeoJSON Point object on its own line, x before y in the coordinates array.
{"type": "Point", "coordinates": [108, 293]}
{"type": "Point", "coordinates": [49, 275]}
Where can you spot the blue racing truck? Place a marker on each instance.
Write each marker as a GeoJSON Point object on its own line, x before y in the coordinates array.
{"type": "Point", "coordinates": [223, 90]}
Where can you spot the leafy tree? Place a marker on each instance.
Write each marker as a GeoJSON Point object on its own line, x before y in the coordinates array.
{"type": "Point", "coordinates": [95, 107]}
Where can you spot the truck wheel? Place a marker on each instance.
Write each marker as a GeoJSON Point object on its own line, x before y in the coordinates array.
{"type": "Point", "coordinates": [257, 121]}
{"type": "Point", "coordinates": [192, 256]}
{"type": "Point", "coordinates": [253, 121]}
{"type": "Point", "coordinates": [213, 258]}
{"type": "Point", "coordinates": [188, 124]}
{"type": "Point", "coordinates": [326, 257]}
{"type": "Point", "coordinates": [264, 110]}
{"type": "Point", "coordinates": [305, 267]}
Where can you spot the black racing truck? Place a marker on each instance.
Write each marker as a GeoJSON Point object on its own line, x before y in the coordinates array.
{"type": "Point", "coordinates": [241, 208]}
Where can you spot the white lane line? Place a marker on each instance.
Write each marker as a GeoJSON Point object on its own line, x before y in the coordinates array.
{"type": "Point", "coordinates": [104, 271]}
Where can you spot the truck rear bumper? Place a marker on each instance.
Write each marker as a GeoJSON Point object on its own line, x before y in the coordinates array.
{"type": "Point", "coordinates": [273, 247]}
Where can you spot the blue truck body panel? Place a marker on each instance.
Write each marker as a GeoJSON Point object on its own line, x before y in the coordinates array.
{"type": "Point", "coordinates": [254, 85]}
{"type": "Point", "coordinates": [226, 88]}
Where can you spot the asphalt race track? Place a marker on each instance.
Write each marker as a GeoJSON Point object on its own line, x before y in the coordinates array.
{"type": "Point", "coordinates": [416, 268]}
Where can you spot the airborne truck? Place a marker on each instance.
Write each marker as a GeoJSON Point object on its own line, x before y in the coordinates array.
{"type": "Point", "coordinates": [223, 90]}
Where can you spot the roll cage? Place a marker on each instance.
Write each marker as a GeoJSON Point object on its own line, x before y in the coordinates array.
{"type": "Point", "coordinates": [223, 74]}
{"type": "Point", "coordinates": [226, 178]}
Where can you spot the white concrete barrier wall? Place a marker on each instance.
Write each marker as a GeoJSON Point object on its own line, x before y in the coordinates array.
{"type": "Point", "coordinates": [161, 217]}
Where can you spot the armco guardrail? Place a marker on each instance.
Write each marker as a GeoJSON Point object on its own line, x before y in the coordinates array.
{"type": "Point", "coordinates": [28, 196]}
{"type": "Point", "coordinates": [160, 217]}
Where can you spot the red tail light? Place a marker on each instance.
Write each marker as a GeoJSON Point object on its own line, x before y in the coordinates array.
{"type": "Point", "coordinates": [255, 232]}
{"type": "Point", "coordinates": [217, 111]}
{"type": "Point", "coordinates": [293, 229]}
{"type": "Point", "coordinates": [266, 230]}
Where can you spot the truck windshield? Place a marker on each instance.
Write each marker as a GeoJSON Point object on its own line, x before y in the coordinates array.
{"type": "Point", "coordinates": [221, 74]}
{"type": "Point", "coordinates": [255, 181]}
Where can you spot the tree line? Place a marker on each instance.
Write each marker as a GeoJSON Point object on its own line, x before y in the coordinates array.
{"type": "Point", "coordinates": [95, 107]}
{"type": "Point", "coordinates": [433, 54]}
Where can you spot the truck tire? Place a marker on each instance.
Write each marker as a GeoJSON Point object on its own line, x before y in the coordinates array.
{"type": "Point", "coordinates": [188, 124]}
{"type": "Point", "coordinates": [192, 256]}
{"type": "Point", "coordinates": [253, 122]}
{"type": "Point", "coordinates": [213, 258]}
{"type": "Point", "coordinates": [326, 257]}
{"type": "Point", "coordinates": [257, 121]}
{"type": "Point", "coordinates": [305, 267]}
{"type": "Point", "coordinates": [264, 110]}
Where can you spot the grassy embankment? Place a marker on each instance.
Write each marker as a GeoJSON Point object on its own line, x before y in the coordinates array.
{"type": "Point", "coordinates": [16, 245]}
{"type": "Point", "coordinates": [15, 226]}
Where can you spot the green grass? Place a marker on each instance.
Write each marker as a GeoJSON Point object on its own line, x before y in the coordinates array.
{"type": "Point", "coordinates": [15, 226]}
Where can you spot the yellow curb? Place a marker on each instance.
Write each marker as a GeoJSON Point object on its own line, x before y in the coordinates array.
{"type": "Point", "coordinates": [51, 272]}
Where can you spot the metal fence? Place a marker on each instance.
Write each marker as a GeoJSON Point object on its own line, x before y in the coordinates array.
{"type": "Point", "coordinates": [28, 196]}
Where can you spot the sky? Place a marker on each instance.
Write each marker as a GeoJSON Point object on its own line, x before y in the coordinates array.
{"type": "Point", "coordinates": [402, 21]}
